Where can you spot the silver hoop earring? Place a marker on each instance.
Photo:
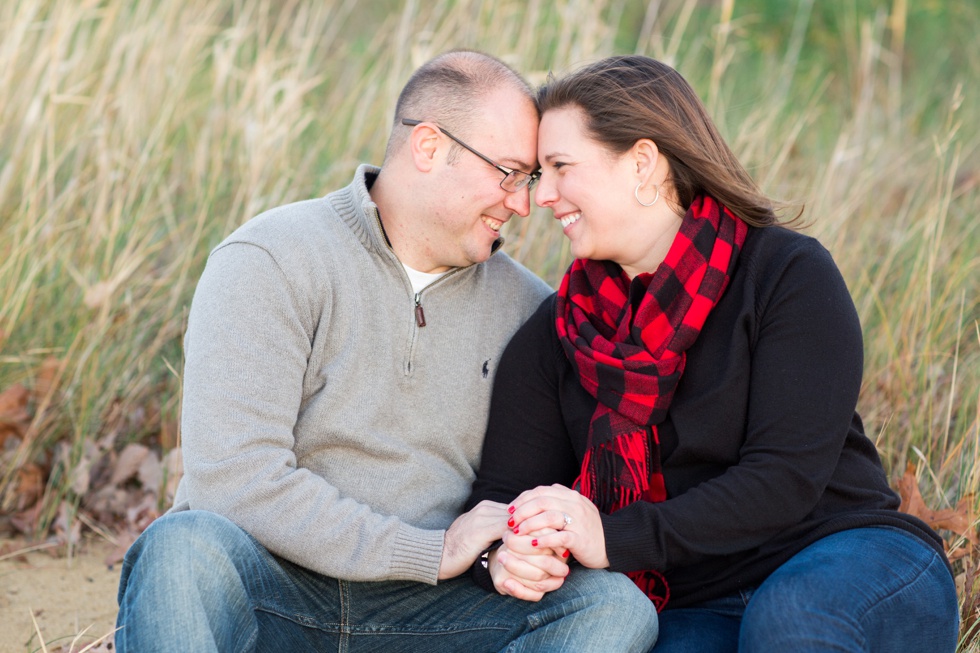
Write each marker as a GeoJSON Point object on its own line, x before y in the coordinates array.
{"type": "Point", "coordinates": [636, 194]}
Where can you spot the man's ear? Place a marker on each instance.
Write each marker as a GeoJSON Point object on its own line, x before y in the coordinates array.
{"type": "Point", "coordinates": [424, 143]}
{"type": "Point", "coordinates": [646, 155]}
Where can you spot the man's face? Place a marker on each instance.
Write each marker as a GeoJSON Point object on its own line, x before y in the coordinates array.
{"type": "Point", "coordinates": [473, 206]}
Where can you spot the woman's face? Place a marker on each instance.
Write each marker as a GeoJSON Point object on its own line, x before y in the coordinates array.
{"type": "Point", "coordinates": [590, 192]}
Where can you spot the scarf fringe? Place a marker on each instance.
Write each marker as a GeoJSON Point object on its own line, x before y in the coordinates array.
{"type": "Point", "coordinates": [617, 473]}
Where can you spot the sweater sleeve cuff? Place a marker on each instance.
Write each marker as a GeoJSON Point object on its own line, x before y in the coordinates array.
{"type": "Point", "coordinates": [480, 572]}
{"type": "Point", "coordinates": [417, 554]}
{"type": "Point", "coordinates": [627, 548]}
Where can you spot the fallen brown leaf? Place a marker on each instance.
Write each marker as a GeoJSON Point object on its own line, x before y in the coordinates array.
{"type": "Point", "coordinates": [26, 521]}
{"type": "Point", "coordinates": [14, 417]}
{"type": "Point", "coordinates": [968, 588]}
{"type": "Point", "coordinates": [46, 381]}
{"type": "Point", "coordinates": [960, 520]}
{"type": "Point", "coordinates": [13, 402]}
{"type": "Point", "coordinates": [120, 490]}
{"type": "Point", "coordinates": [29, 485]}
{"type": "Point", "coordinates": [150, 473]}
{"type": "Point", "coordinates": [128, 465]}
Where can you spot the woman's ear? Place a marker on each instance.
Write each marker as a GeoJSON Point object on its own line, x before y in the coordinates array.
{"type": "Point", "coordinates": [424, 145]}
{"type": "Point", "coordinates": [645, 155]}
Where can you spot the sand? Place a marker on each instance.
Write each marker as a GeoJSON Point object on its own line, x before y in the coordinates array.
{"type": "Point", "coordinates": [66, 595]}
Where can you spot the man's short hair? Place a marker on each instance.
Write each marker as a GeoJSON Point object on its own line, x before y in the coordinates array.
{"type": "Point", "coordinates": [447, 90]}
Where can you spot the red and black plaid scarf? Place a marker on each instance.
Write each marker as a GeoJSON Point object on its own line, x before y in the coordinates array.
{"type": "Point", "coordinates": [630, 357]}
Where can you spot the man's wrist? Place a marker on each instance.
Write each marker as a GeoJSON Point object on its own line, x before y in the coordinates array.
{"type": "Point", "coordinates": [484, 558]}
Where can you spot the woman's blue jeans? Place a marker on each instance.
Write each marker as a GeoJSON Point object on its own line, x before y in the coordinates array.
{"type": "Point", "coordinates": [868, 589]}
{"type": "Point", "coordinates": [194, 581]}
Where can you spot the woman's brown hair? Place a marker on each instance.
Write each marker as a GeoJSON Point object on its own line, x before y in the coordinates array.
{"type": "Point", "coordinates": [626, 98]}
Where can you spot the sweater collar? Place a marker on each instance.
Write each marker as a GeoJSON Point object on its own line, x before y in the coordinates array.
{"type": "Point", "coordinates": [355, 207]}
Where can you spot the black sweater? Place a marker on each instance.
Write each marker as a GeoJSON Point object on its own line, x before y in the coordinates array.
{"type": "Point", "coordinates": [762, 450]}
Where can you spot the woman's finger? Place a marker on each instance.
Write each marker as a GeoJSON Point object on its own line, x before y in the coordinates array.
{"type": "Point", "coordinates": [511, 587]}
{"type": "Point", "coordinates": [529, 575]}
{"type": "Point", "coordinates": [544, 565]}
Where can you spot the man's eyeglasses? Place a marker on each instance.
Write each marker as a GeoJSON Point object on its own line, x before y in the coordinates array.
{"type": "Point", "coordinates": [513, 181]}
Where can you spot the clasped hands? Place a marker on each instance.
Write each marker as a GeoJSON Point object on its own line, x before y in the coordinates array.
{"type": "Point", "coordinates": [538, 540]}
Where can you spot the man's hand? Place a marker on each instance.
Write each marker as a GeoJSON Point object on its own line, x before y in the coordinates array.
{"type": "Point", "coordinates": [469, 535]}
{"type": "Point", "coordinates": [527, 576]}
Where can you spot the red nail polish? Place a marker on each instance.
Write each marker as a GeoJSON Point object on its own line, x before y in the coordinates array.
{"type": "Point", "coordinates": [565, 554]}
{"type": "Point", "coordinates": [510, 522]}
{"type": "Point", "coordinates": [534, 542]}
{"type": "Point", "coordinates": [511, 510]}
{"type": "Point", "coordinates": [515, 531]}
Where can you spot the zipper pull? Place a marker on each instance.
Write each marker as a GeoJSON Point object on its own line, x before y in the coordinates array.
{"type": "Point", "coordinates": [419, 313]}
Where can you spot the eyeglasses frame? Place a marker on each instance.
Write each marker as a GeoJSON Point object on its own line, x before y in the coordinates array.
{"type": "Point", "coordinates": [532, 177]}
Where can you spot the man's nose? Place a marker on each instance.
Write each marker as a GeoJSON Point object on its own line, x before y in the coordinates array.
{"type": "Point", "coordinates": [519, 202]}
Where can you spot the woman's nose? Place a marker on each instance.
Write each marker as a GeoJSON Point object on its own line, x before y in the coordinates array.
{"type": "Point", "coordinates": [545, 193]}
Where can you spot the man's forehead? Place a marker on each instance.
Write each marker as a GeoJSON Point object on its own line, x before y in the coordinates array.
{"type": "Point", "coordinates": [518, 154]}
{"type": "Point", "coordinates": [510, 128]}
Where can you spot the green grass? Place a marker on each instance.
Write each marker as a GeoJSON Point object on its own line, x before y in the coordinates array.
{"type": "Point", "coordinates": [135, 135]}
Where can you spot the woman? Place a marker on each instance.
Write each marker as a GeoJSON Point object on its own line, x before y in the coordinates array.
{"type": "Point", "coordinates": [694, 381]}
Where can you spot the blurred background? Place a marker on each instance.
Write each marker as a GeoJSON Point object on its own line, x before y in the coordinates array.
{"type": "Point", "coordinates": [134, 136]}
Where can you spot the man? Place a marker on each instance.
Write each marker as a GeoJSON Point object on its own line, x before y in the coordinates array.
{"type": "Point", "coordinates": [339, 359]}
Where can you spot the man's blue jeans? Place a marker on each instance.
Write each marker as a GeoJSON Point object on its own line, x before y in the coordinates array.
{"type": "Point", "coordinates": [194, 581]}
{"type": "Point", "coordinates": [868, 589]}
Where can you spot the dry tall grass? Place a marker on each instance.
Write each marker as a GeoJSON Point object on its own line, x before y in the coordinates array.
{"type": "Point", "coordinates": [135, 135]}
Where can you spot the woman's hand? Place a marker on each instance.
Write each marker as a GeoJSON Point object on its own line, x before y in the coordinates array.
{"type": "Point", "coordinates": [573, 517]}
{"type": "Point", "coordinates": [526, 576]}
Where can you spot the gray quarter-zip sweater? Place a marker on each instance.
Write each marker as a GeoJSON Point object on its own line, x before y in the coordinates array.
{"type": "Point", "coordinates": [317, 414]}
